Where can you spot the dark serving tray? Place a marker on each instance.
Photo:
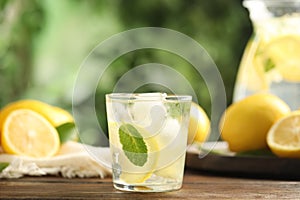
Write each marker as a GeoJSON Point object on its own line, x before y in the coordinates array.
{"type": "Point", "coordinates": [221, 161]}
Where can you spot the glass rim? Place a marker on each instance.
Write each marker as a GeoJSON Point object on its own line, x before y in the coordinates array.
{"type": "Point", "coordinates": [151, 96]}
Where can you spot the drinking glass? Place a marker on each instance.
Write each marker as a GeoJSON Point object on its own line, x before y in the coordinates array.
{"type": "Point", "coordinates": [148, 140]}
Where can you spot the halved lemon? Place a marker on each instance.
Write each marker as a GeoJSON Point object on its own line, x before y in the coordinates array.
{"type": "Point", "coordinates": [55, 115]}
{"type": "Point", "coordinates": [28, 133]}
{"type": "Point", "coordinates": [284, 136]}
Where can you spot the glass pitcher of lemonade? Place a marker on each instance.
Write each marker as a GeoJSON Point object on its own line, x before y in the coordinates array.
{"type": "Point", "coordinates": [271, 60]}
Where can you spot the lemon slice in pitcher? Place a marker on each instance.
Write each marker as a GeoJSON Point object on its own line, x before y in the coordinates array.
{"type": "Point", "coordinates": [283, 54]}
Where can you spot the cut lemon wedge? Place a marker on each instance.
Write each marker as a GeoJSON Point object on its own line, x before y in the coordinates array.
{"type": "Point", "coordinates": [28, 133]}
{"type": "Point", "coordinates": [284, 136]}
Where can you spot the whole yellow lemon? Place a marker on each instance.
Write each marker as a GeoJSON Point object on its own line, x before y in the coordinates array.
{"type": "Point", "coordinates": [199, 125]}
{"type": "Point", "coordinates": [245, 124]}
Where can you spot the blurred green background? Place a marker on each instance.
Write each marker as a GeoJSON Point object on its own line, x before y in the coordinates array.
{"type": "Point", "coordinates": [44, 42]}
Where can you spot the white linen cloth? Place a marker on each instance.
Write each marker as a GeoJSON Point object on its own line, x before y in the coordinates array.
{"type": "Point", "coordinates": [73, 160]}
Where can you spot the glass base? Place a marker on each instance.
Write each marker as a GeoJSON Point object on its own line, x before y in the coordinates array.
{"type": "Point", "coordinates": [148, 187]}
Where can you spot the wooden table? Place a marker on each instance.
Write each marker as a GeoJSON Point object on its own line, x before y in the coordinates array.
{"type": "Point", "coordinates": [197, 185]}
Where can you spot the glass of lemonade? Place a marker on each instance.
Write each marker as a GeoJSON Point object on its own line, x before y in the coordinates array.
{"type": "Point", "coordinates": [148, 140]}
{"type": "Point", "coordinates": [271, 60]}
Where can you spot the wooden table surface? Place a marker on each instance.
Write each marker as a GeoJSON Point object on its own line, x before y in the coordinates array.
{"type": "Point", "coordinates": [197, 185]}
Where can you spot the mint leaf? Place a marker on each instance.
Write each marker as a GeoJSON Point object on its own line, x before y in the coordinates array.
{"type": "Point", "coordinates": [269, 64]}
{"type": "Point", "coordinates": [67, 132]}
{"type": "Point", "coordinates": [133, 144]}
{"type": "Point", "coordinates": [175, 110]}
{"type": "Point", "coordinates": [3, 165]}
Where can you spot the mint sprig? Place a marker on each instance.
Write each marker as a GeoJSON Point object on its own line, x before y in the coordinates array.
{"type": "Point", "coordinates": [176, 109]}
{"type": "Point", "coordinates": [133, 144]}
{"type": "Point", "coordinates": [269, 65]}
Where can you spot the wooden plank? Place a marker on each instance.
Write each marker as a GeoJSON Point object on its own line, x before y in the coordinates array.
{"type": "Point", "coordinates": [196, 186]}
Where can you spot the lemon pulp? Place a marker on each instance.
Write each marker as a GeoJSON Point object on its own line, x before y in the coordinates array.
{"type": "Point", "coordinates": [284, 136]}
{"type": "Point", "coordinates": [28, 133]}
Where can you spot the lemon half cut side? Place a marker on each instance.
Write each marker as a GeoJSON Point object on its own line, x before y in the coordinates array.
{"type": "Point", "coordinates": [27, 133]}
{"type": "Point", "coordinates": [284, 136]}
{"type": "Point", "coordinates": [55, 115]}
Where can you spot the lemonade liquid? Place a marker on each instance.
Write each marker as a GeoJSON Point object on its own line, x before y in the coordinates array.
{"type": "Point", "coordinates": [148, 139]}
{"type": "Point", "coordinates": [271, 60]}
